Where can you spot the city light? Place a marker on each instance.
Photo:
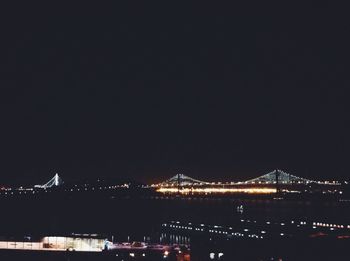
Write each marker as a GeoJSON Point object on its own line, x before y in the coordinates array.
{"type": "Point", "coordinates": [208, 190]}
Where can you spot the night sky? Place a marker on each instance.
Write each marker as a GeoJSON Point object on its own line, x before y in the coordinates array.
{"type": "Point", "coordinates": [145, 92]}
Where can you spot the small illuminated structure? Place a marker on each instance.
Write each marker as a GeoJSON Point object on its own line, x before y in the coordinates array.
{"type": "Point", "coordinates": [54, 182]}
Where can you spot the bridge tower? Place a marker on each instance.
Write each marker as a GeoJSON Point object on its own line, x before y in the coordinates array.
{"type": "Point", "coordinates": [57, 180]}
{"type": "Point", "coordinates": [278, 189]}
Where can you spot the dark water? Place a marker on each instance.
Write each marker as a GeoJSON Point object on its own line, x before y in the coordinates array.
{"type": "Point", "coordinates": [89, 215]}
{"type": "Point", "coordinates": [140, 219]}
{"type": "Point", "coordinates": [114, 216]}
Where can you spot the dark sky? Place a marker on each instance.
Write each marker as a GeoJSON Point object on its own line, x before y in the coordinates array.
{"type": "Point", "coordinates": [216, 92]}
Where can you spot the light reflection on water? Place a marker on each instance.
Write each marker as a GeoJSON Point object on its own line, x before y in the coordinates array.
{"type": "Point", "coordinates": [166, 238]}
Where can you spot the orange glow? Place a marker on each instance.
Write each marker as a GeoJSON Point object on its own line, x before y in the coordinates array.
{"type": "Point", "coordinates": [218, 190]}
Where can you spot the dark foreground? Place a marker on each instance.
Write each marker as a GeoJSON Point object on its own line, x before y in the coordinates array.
{"type": "Point", "coordinates": [266, 250]}
{"type": "Point", "coordinates": [20, 255]}
{"type": "Point", "coordinates": [204, 250]}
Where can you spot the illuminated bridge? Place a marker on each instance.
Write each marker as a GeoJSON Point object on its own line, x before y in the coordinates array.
{"type": "Point", "coordinates": [279, 176]}
{"type": "Point", "coordinates": [54, 182]}
{"type": "Point", "coordinates": [272, 182]}
{"type": "Point", "coordinates": [182, 180]}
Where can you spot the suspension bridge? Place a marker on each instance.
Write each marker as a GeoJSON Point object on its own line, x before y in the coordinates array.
{"type": "Point", "coordinates": [271, 182]}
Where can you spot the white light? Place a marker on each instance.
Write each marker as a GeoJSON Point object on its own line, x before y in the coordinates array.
{"type": "Point", "coordinates": [132, 254]}
{"type": "Point", "coordinates": [212, 256]}
{"type": "Point", "coordinates": [220, 254]}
